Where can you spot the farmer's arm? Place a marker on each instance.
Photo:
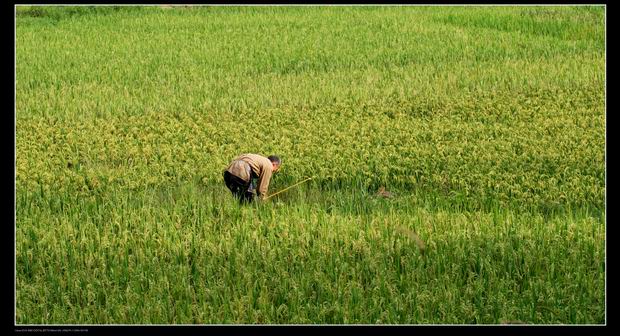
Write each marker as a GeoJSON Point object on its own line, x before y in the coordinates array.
{"type": "Point", "coordinates": [263, 182]}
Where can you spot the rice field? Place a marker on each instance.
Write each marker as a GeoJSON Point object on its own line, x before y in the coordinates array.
{"type": "Point", "coordinates": [486, 124]}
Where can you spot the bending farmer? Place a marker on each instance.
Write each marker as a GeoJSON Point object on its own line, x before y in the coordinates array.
{"type": "Point", "coordinates": [245, 170]}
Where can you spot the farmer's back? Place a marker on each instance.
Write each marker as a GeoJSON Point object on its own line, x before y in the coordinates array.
{"type": "Point", "coordinates": [258, 166]}
{"type": "Point", "coordinates": [247, 167]}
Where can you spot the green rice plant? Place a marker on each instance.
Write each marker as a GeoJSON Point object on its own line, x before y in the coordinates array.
{"type": "Point", "coordinates": [487, 125]}
{"type": "Point", "coordinates": [143, 259]}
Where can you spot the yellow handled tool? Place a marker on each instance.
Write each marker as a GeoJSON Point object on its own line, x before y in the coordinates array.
{"type": "Point", "coordinates": [285, 189]}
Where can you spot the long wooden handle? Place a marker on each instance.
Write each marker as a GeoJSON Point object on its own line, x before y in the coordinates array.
{"type": "Point", "coordinates": [283, 190]}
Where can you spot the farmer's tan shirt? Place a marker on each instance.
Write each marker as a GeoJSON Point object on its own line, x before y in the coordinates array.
{"type": "Point", "coordinates": [259, 166]}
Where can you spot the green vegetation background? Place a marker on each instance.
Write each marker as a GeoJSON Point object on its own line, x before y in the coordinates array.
{"type": "Point", "coordinates": [488, 124]}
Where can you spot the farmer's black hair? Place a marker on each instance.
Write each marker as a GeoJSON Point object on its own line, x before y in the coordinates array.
{"type": "Point", "coordinates": [274, 159]}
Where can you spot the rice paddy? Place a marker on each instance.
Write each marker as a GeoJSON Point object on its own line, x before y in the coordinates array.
{"type": "Point", "coordinates": [458, 155]}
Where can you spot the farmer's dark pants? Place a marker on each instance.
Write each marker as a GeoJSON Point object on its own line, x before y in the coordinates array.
{"type": "Point", "coordinates": [241, 189]}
